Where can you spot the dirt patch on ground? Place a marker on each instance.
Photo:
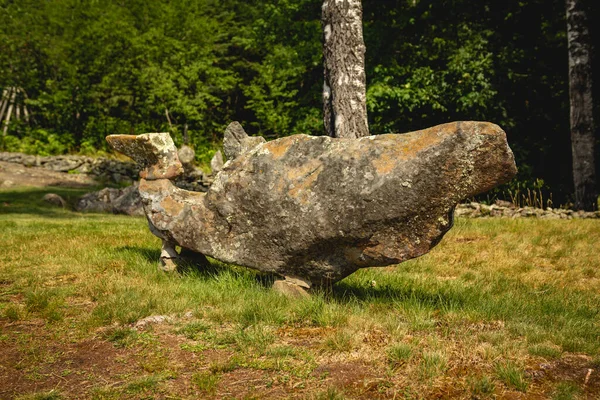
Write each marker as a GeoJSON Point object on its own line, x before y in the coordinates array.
{"type": "Point", "coordinates": [33, 362]}
{"type": "Point", "coordinates": [13, 174]}
{"type": "Point", "coordinates": [571, 368]}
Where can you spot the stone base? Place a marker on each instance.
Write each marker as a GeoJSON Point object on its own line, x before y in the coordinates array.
{"type": "Point", "coordinates": [290, 289]}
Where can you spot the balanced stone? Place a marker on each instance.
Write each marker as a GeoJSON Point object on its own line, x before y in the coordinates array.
{"type": "Point", "coordinates": [314, 209]}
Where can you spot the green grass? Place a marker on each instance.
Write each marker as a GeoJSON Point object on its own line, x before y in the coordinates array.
{"type": "Point", "coordinates": [495, 298]}
{"type": "Point", "coordinates": [206, 382]}
{"type": "Point", "coordinates": [399, 354]}
{"type": "Point", "coordinates": [566, 391]}
{"type": "Point", "coordinates": [482, 386]}
{"type": "Point", "coordinates": [512, 375]}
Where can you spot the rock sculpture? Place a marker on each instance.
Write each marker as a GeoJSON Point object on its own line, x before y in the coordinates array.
{"type": "Point", "coordinates": [314, 209]}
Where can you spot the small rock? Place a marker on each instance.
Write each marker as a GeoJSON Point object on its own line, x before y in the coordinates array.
{"type": "Point", "coordinates": [237, 141]}
{"type": "Point", "coordinates": [55, 200]}
{"type": "Point", "coordinates": [289, 289]}
{"type": "Point", "coordinates": [153, 319]}
{"type": "Point", "coordinates": [504, 203]}
{"type": "Point", "coordinates": [117, 201]}
{"type": "Point", "coordinates": [216, 164]}
{"type": "Point", "coordinates": [186, 155]}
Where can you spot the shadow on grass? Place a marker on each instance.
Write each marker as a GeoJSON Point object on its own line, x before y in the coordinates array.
{"type": "Point", "coordinates": [205, 269]}
{"type": "Point", "coordinates": [29, 200]}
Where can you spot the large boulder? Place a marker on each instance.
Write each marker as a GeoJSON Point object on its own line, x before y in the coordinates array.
{"type": "Point", "coordinates": [315, 209]}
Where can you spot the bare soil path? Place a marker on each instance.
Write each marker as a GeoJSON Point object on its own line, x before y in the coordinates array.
{"type": "Point", "coordinates": [13, 174]}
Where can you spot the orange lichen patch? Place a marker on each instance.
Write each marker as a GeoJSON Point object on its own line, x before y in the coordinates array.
{"type": "Point", "coordinates": [385, 163]}
{"type": "Point", "coordinates": [304, 170]}
{"type": "Point", "coordinates": [155, 186]}
{"type": "Point", "coordinates": [278, 148]}
{"type": "Point", "coordinates": [158, 171]}
{"type": "Point", "coordinates": [301, 188]}
{"type": "Point", "coordinates": [303, 178]}
{"type": "Point", "coordinates": [171, 206]}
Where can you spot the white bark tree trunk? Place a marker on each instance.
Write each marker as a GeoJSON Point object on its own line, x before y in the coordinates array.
{"type": "Point", "coordinates": [9, 112]}
{"type": "Point", "coordinates": [580, 93]}
{"type": "Point", "coordinates": [344, 90]}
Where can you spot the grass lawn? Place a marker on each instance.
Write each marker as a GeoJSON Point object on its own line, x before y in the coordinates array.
{"type": "Point", "coordinates": [505, 309]}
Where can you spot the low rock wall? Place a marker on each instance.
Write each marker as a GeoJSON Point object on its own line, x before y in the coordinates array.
{"type": "Point", "coordinates": [509, 210]}
{"type": "Point", "coordinates": [103, 168]}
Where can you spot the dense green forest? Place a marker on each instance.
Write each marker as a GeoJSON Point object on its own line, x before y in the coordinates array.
{"type": "Point", "coordinates": [88, 68]}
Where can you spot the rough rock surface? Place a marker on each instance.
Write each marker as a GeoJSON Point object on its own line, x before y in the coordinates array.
{"type": "Point", "coordinates": [186, 155]}
{"type": "Point", "coordinates": [318, 208]}
{"type": "Point", "coordinates": [236, 141]}
{"type": "Point", "coordinates": [216, 163]}
{"type": "Point", "coordinates": [155, 152]}
{"type": "Point", "coordinates": [117, 201]}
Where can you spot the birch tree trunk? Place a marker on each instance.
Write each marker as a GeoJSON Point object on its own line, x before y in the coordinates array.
{"type": "Point", "coordinates": [580, 94]}
{"type": "Point", "coordinates": [344, 89]}
{"type": "Point", "coordinates": [9, 112]}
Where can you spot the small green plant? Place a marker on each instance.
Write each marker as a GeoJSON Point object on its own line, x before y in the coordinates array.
{"type": "Point", "coordinates": [120, 336]}
{"type": "Point", "coordinates": [481, 386]}
{"type": "Point", "coordinates": [566, 391]}
{"type": "Point", "coordinates": [206, 382]}
{"type": "Point", "coordinates": [143, 384]}
{"type": "Point", "coordinates": [51, 395]}
{"type": "Point", "coordinates": [330, 394]}
{"type": "Point", "coordinates": [544, 350]}
{"type": "Point", "coordinates": [230, 365]}
{"type": "Point", "coordinates": [194, 330]}
{"type": "Point", "coordinates": [339, 341]}
{"type": "Point", "coordinates": [12, 313]}
{"type": "Point", "coordinates": [512, 375]}
{"type": "Point", "coordinates": [399, 354]}
{"type": "Point", "coordinates": [434, 363]}
{"type": "Point", "coordinates": [255, 338]}
{"type": "Point", "coordinates": [281, 351]}
{"type": "Point", "coordinates": [46, 302]}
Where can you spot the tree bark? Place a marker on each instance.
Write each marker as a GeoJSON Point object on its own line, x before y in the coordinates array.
{"type": "Point", "coordinates": [580, 94]}
{"type": "Point", "coordinates": [9, 112]}
{"type": "Point", "coordinates": [4, 102]}
{"type": "Point", "coordinates": [344, 89]}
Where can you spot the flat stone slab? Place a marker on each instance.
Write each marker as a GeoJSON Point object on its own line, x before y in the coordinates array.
{"type": "Point", "coordinates": [317, 208]}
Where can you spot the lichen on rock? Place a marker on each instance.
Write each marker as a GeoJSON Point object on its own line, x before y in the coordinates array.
{"type": "Point", "coordinates": [318, 208]}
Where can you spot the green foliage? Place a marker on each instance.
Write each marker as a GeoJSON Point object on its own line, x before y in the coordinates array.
{"type": "Point", "coordinates": [38, 141]}
{"type": "Point", "coordinates": [96, 68]}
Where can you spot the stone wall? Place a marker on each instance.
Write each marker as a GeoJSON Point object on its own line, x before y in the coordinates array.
{"type": "Point", "coordinates": [508, 210]}
{"type": "Point", "coordinates": [103, 169]}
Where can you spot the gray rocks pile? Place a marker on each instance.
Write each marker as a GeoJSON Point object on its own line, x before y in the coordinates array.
{"type": "Point", "coordinates": [508, 210]}
{"type": "Point", "coordinates": [117, 201]}
{"type": "Point", "coordinates": [193, 178]}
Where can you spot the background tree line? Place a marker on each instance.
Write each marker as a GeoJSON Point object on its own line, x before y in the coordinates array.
{"type": "Point", "coordinates": [88, 68]}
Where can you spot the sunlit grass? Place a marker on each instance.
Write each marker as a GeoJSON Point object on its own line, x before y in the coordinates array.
{"type": "Point", "coordinates": [492, 298]}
